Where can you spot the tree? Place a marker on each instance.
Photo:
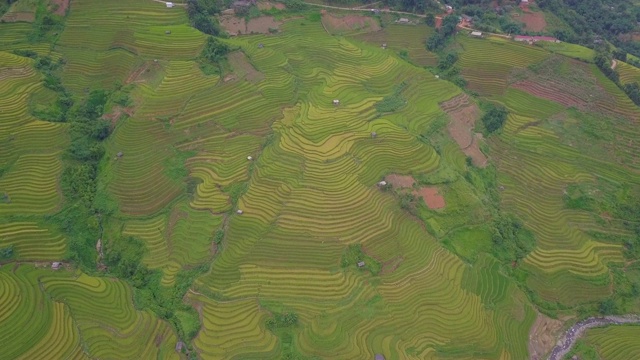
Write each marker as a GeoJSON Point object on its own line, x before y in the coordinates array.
{"type": "Point", "coordinates": [430, 19]}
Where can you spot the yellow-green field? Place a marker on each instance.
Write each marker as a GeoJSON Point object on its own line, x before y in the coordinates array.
{"type": "Point", "coordinates": [254, 181]}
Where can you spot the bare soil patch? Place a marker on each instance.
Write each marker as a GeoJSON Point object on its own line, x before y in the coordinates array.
{"type": "Point", "coordinates": [565, 81]}
{"type": "Point", "coordinates": [9, 73]}
{"type": "Point", "coordinates": [145, 73]}
{"type": "Point", "coordinates": [400, 181]}
{"type": "Point", "coordinates": [19, 17]}
{"type": "Point", "coordinates": [268, 5]}
{"type": "Point", "coordinates": [59, 7]}
{"type": "Point", "coordinates": [533, 21]}
{"type": "Point", "coordinates": [550, 90]}
{"type": "Point", "coordinates": [543, 336]}
{"type": "Point", "coordinates": [463, 114]}
{"type": "Point", "coordinates": [238, 26]}
{"type": "Point", "coordinates": [431, 197]}
{"type": "Point", "coordinates": [243, 68]}
{"type": "Point", "coordinates": [339, 24]}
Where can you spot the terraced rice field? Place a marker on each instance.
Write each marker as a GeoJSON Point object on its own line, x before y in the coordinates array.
{"type": "Point", "coordinates": [616, 342]}
{"type": "Point", "coordinates": [258, 178]}
{"type": "Point", "coordinates": [71, 315]}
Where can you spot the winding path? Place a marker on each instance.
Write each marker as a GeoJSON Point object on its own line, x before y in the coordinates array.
{"type": "Point", "coordinates": [576, 331]}
{"type": "Point", "coordinates": [363, 8]}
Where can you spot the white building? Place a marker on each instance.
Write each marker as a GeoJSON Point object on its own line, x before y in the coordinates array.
{"type": "Point", "coordinates": [169, 4]}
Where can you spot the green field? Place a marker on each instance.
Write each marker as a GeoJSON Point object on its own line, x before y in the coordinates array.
{"type": "Point", "coordinates": [227, 212]}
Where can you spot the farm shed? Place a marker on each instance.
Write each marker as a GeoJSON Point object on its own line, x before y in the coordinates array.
{"type": "Point", "coordinates": [170, 5]}
{"type": "Point", "coordinates": [239, 212]}
{"type": "Point", "coordinates": [382, 183]}
{"type": "Point", "coordinates": [374, 134]}
{"type": "Point", "coordinates": [403, 21]}
{"type": "Point", "coordinates": [476, 33]}
{"type": "Point", "coordinates": [467, 18]}
{"type": "Point", "coordinates": [56, 265]}
{"type": "Point", "coordinates": [361, 264]}
{"type": "Point", "coordinates": [336, 102]}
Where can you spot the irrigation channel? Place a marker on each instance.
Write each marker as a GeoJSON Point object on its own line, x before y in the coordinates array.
{"type": "Point", "coordinates": [576, 331]}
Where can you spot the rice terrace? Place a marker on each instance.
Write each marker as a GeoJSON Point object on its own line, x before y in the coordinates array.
{"type": "Point", "coordinates": [242, 179]}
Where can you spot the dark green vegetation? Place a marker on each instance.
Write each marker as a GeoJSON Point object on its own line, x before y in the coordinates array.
{"type": "Point", "coordinates": [205, 191]}
{"type": "Point", "coordinates": [494, 118]}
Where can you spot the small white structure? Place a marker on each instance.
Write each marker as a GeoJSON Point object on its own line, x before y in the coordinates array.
{"type": "Point", "coordinates": [448, 7]}
{"type": "Point", "coordinates": [476, 33]}
{"type": "Point", "coordinates": [361, 264]}
{"type": "Point", "coordinates": [437, 76]}
{"type": "Point", "coordinates": [336, 102]}
{"type": "Point", "coordinates": [249, 158]}
{"type": "Point", "coordinates": [382, 183]}
{"type": "Point", "coordinates": [403, 21]}
{"type": "Point", "coordinates": [374, 134]}
{"type": "Point", "coordinates": [239, 212]}
{"type": "Point", "coordinates": [56, 265]}
{"type": "Point", "coordinates": [169, 4]}
{"type": "Point", "coordinates": [524, 1]}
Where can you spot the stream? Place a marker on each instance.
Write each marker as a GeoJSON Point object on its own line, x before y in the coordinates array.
{"type": "Point", "coordinates": [570, 336]}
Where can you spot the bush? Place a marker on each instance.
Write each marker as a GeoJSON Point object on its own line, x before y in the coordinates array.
{"type": "Point", "coordinates": [6, 253]}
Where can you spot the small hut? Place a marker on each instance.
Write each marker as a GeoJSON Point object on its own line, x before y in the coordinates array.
{"type": "Point", "coordinates": [384, 45]}
{"type": "Point", "coordinates": [403, 21]}
{"type": "Point", "coordinates": [56, 265]}
{"type": "Point", "coordinates": [361, 264]}
{"type": "Point", "coordinates": [179, 346]}
{"type": "Point", "coordinates": [378, 357]}
{"type": "Point", "coordinates": [170, 5]}
{"type": "Point", "coordinates": [239, 212]}
{"type": "Point", "coordinates": [249, 158]}
{"type": "Point", "coordinates": [374, 134]}
{"type": "Point", "coordinates": [336, 102]}
{"type": "Point", "coordinates": [260, 46]}
{"type": "Point", "coordinates": [168, 32]}
{"type": "Point", "coordinates": [382, 183]}
{"type": "Point", "coordinates": [119, 154]}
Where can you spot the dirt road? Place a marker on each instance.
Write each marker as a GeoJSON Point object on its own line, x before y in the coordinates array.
{"type": "Point", "coordinates": [576, 331]}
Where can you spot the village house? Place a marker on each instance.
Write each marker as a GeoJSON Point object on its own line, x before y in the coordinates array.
{"type": "Point", "coordinates": [476, 33]}
{"type": "Point", "coordinates": [170, 5]}
{"type": "Point", "coordinates": [403, 21]}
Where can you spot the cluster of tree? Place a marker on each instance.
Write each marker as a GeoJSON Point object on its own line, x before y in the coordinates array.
{"type": "Point", "coordinates": [511, 240]}
{"type": "Point", "coordinates": [485, 18]}
{"type": "Point", "coordinates": [603, 61]}
{"type": "Point", "coordinates": [438, 40]}
{"type": "Point", "coordinates": [4, 6]}
{"type": "Point", "coordinates": [213, 55]}
{"type": "Point", "coordinates": [494, 117]}
{"type": "Point", "coordinates": [448, 70]}
{"type": "Point", "coordinates": [201, 15]}
{"type": "Point", "coordinates": [591, 19]}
